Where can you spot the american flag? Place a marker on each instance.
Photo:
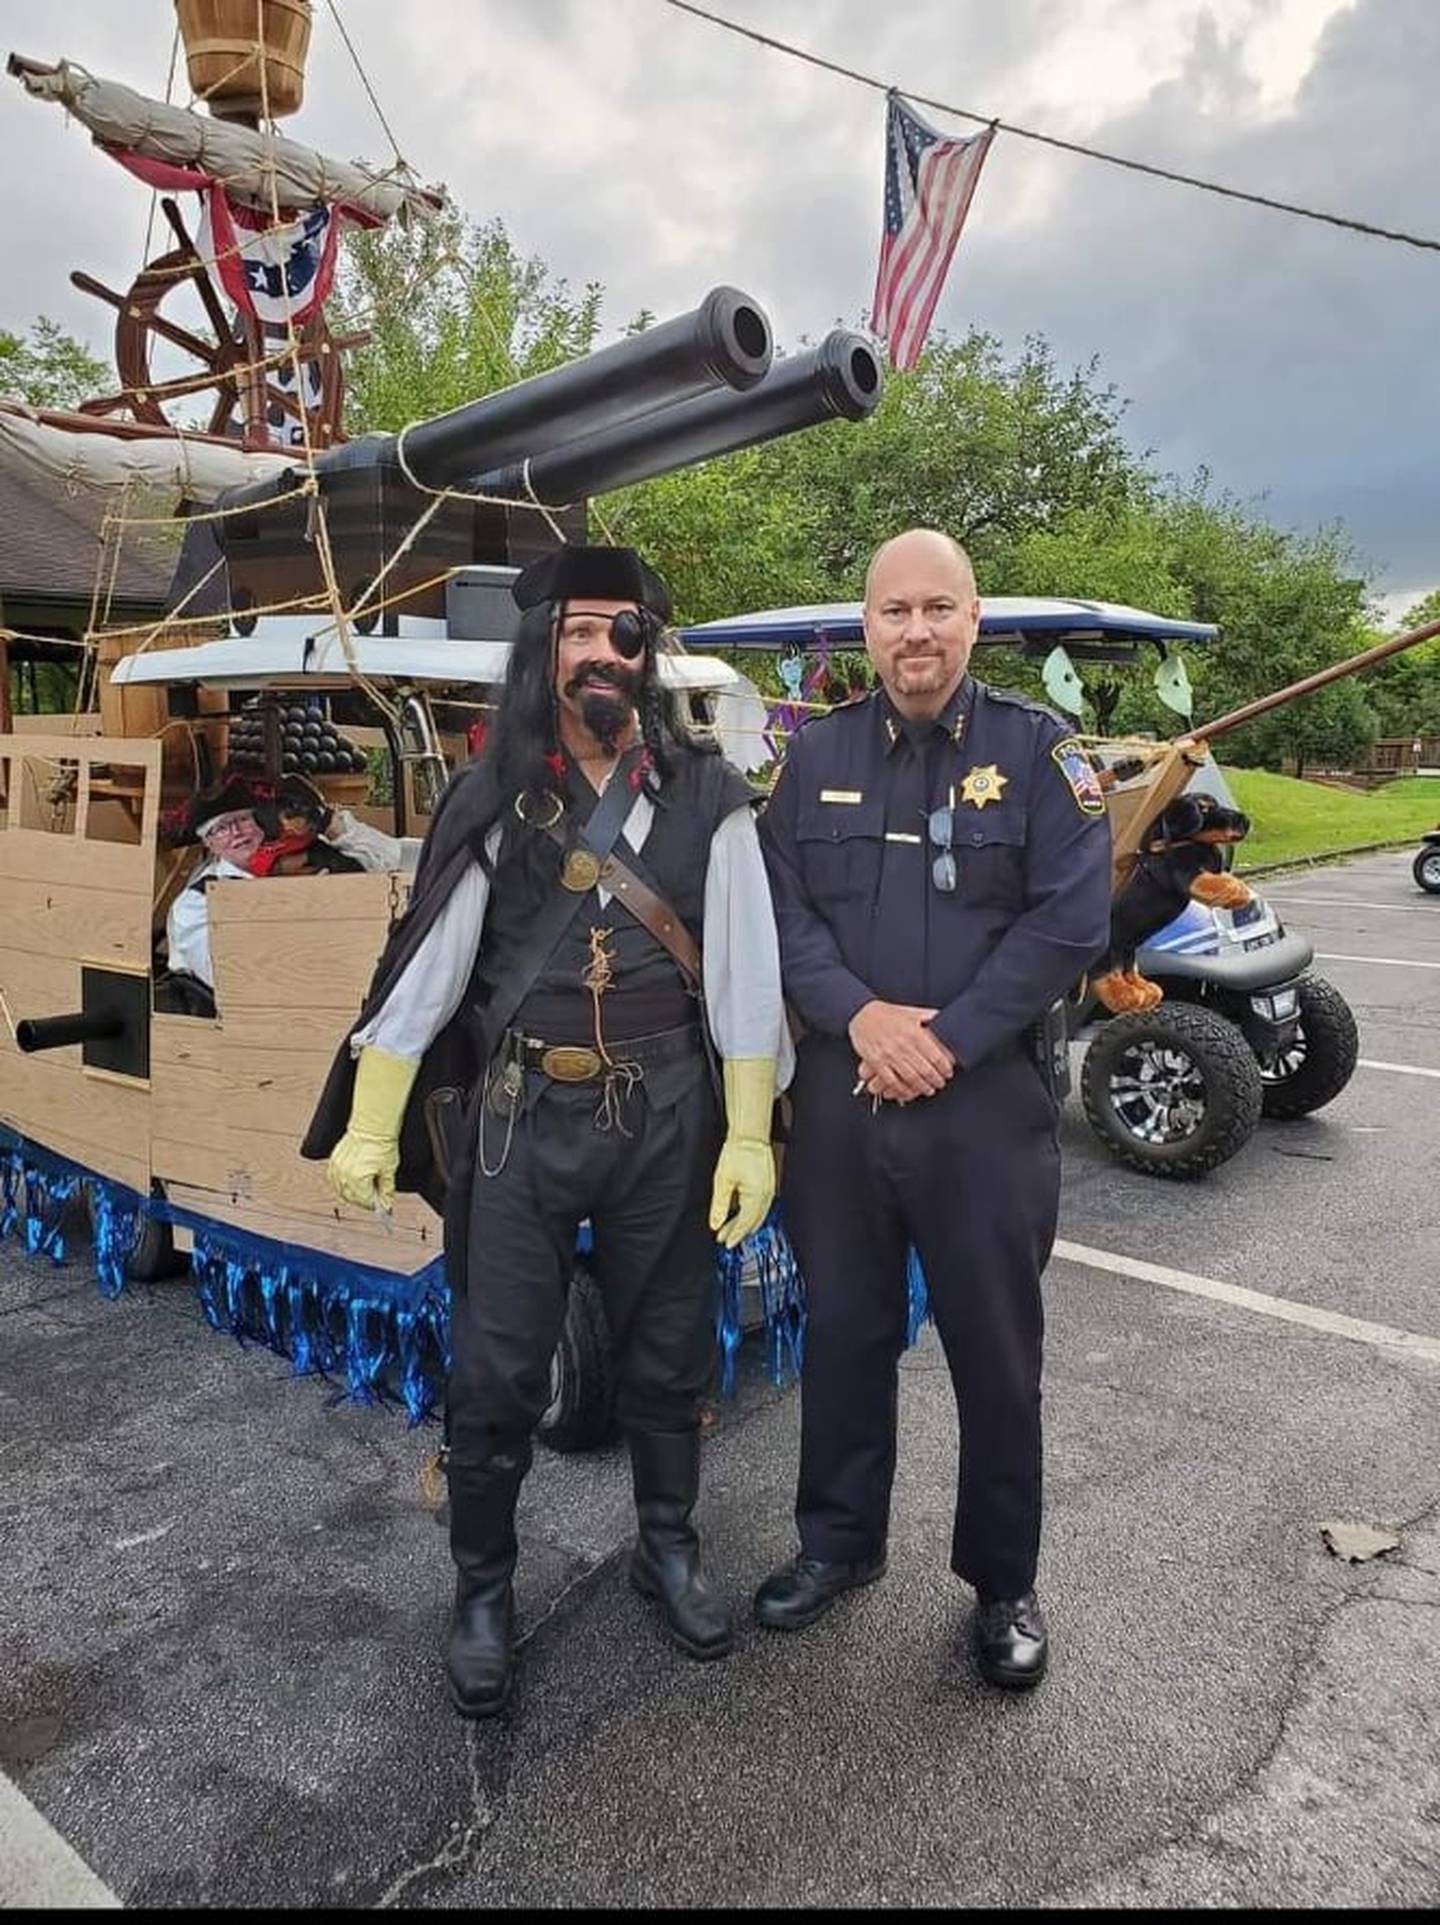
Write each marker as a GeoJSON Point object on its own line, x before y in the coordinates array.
{"type": "Point", "coordinates": [929, 181]}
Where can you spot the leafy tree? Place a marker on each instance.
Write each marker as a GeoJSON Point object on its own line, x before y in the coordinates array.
{"type": "Point", "coordinates": [49, 368]}
{"type": "Point", "coordinates": [1405, 691]}
{"type": "Point", "coordinates": [454, 312]}
{"type": "Point", "coordinates": [1328, 729]}
{"type": "Point", "coordinates": [1122, 554]}
{"type": "Point", "coordinates": [1286, 604]}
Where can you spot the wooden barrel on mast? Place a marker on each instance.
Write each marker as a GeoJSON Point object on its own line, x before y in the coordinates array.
{"type": "Point", "coordinates": [225, 41]}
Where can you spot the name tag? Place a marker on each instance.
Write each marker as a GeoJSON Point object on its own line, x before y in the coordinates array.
{"type": "Point", "coordinates": [842, 795]}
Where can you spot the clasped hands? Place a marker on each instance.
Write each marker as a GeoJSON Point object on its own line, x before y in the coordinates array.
{"type": "Point", "coordinates": [900, 1058]}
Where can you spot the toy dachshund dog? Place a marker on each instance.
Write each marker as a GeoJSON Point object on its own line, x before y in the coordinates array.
{"type": "Point", "coordinates": [1180, 862]}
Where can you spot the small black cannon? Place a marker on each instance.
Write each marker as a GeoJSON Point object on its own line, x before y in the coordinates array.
{"type": "Point", "coordinates": [702, 384]}
{"type": "Point", "coordinates": [112, 1025]}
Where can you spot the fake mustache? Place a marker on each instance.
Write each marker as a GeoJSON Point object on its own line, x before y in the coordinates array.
{"type": "Point", "coordinates": [601, 677]}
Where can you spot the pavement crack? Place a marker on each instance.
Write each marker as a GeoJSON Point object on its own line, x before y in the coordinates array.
{"type": "Point", "coordinates": [582, 1577]}
{"type": "Point", "coordinates": [487, 1800]}
{"type": "Point", "coordinates": [1197, 1832]}
{"type": "Point", "coordinates": [458, 1849]}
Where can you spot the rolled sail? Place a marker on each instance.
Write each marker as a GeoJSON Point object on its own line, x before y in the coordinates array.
{"type": "Point", "coordinates": [164, 144]}
{"type": "Point", "coordinates": [199, 468]}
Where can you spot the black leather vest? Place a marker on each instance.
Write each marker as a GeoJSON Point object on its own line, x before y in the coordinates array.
{"type": "Point", "coordinates": [648, 991]}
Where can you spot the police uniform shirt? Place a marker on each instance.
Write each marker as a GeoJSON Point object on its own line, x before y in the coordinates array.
{"type": "Point", "coordinates": [851, 852]}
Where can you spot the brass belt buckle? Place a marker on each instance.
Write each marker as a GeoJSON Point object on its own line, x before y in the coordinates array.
{"type": "Point", "coordinates": [567, 1064]}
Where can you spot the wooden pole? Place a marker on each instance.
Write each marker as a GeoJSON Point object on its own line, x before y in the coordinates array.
{"type": "Point", "coordinates": [6, 719]}
{"type": "Point", "coordinates": [1321, 679]}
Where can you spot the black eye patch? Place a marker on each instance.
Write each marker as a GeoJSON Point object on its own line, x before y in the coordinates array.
{"type": "Point", "coordinates": [629, 633]}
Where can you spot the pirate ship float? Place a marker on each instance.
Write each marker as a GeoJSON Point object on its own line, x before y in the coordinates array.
{"type": "Point", "coordinates": [339, 610]}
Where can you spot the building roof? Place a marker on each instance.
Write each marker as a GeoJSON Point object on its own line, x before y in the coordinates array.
{"type": "Point", "coordinates": [50, 549]}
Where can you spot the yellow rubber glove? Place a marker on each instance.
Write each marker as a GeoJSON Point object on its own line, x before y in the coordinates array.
{"type": "Point", "coordinates": [363, 1163]}
{"type": "Point", "coordinates": [745, 1173]}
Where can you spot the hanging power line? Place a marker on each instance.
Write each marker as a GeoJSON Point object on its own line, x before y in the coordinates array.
{"type": "Point", "coordinates": [1053, 140]}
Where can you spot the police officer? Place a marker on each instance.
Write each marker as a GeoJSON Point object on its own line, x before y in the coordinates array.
{"type": "Point", "coordinates": [939, 858]}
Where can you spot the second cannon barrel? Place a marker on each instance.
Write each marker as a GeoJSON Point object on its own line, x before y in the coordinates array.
{"type": "Point", "coordinates": [841, 378]}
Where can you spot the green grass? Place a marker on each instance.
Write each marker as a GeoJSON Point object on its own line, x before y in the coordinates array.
{"type": "Point", "coordinates": [1291, 819]}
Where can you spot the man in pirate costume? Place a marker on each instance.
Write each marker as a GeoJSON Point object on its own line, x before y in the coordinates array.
{"type": "Point", "coordinates": [589, 931]}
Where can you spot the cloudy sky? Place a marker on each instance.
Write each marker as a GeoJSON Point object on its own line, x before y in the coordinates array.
{"type": "Point", "coordinates": [626, 142]}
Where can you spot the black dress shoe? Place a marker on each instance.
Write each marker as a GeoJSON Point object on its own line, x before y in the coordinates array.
{"type": "Point", "coordinates": [1011, 1642]}
{"type": "Point", "coordinates": [804, 1589]}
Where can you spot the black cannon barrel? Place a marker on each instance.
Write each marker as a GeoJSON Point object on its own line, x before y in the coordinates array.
{"type": "Point", "coordinates": [841, 378]}
{"type": "Point", "coordinates": [58, 1032]}
{"type": "Point", "coordinates": [726, 342]}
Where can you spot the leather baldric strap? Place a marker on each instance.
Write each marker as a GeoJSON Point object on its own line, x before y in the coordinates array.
{"type": "Point", "coordinates": [653, 912]}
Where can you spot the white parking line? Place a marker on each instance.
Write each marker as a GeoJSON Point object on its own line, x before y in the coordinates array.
{"type": "Point", "coordinates": [1345, 902]}
{"type": "Point", "coordinates": [37, 1867]}
{"type": "Point", "coordinates": [1379, 1335]}
{"type": "Point", "coordinates": [1396, 1069]}
{"type": "Point", "coordinates": [1390, 962]}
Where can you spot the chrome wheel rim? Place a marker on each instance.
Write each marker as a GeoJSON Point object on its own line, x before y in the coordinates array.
{"type": "Point", "coordinates": [1285, 1062]}
{"type": "Point", "coordinates": [1157, 1091]}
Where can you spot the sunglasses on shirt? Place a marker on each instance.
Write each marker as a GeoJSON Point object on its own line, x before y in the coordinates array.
{"type": "Point", "coordinates": [944, 870]}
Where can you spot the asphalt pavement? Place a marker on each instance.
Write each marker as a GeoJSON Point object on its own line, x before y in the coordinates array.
{"type": "Point", "coordinates": [224, 1597]}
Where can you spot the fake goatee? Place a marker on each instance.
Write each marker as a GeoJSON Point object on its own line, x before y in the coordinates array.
{"type": "Point", "coordinates": [608, 694]}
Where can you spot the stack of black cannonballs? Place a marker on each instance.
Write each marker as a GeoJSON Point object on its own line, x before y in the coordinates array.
{"type": "Point", "coordinates": [309, 744]}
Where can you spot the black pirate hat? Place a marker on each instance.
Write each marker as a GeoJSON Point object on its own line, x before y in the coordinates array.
{"type": "Point", "coordinates": [609, 574]}
{"type": "Point", "coordinates": [232, 794]}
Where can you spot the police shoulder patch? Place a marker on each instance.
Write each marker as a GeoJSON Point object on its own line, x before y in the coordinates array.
{"type": "Point", "coordinates": [1078, 770]}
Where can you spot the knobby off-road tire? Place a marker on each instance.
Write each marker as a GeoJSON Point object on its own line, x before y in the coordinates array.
{"type": "Point", "coordinates": [1182, 1072]}
{"type": "Point", "coordinates": [581, 1412]}
{"type": "Point", "coordinates": [1324, 1055]}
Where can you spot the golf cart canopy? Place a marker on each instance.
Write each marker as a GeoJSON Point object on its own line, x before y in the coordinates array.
{"type": "Point", "coordinates": [1034, 623]}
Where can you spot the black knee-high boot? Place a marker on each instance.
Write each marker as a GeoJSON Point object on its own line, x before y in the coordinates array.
{"type": "Point", "coordinates": [666, 1562]}
{"type": "Point", "coordinates": [480, 1653]}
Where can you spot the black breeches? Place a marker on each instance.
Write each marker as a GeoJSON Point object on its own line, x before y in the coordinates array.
{"type": "Point", "coordinates": [647, 1197]}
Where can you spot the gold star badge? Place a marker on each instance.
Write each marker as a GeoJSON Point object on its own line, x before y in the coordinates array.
{"type": "Point", "coordinates": [983, 786]}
